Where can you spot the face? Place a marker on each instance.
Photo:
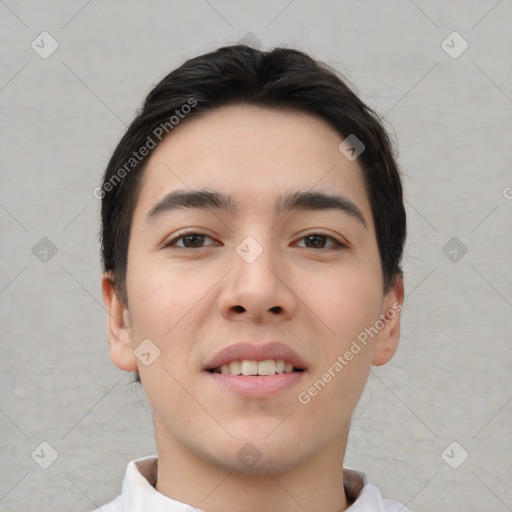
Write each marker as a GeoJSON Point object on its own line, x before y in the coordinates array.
{"type": "Point", "coordinates": [278, 274]}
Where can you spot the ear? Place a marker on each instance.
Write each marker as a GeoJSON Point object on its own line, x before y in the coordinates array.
{"type": "Point", "coordinates": [120, 337]}
{"type": "Point", "coordinates": [389, 335]}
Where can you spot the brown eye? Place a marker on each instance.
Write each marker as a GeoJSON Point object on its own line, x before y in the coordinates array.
{"type": "Point", "coordinates": [192, 241]}
{"type": "Point", "coordinates": [189, 241]}
{"type": "Point", "coordinates": [317, 241]}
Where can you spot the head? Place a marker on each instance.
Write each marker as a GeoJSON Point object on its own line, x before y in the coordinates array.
{"type": "Point", "coordinates": [230, 212]}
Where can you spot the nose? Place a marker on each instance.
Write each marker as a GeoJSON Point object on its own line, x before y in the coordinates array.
{"type": "Point", "coordinates": [259, 286]}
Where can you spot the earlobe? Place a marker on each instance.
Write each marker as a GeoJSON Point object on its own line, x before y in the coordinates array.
{"type": "Point", "coordinates": [119, 327]}
{"type": "Point", "coordinates": [389, 335]}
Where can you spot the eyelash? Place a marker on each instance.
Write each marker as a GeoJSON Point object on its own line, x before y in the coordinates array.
{"type": "Point", "coordinates": [171, 244]}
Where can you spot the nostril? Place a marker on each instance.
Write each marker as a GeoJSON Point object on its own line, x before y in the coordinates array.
{"type": "Point", "coordinates": [276, 309]}
{"type": "Point", "coordinates": [239, 309]}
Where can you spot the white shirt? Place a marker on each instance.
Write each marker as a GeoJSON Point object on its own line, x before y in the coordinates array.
{"type": "Point", "coordinates": [139, 494]}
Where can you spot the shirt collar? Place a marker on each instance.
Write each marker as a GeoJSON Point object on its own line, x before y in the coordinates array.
{"type": "Point", "coordinates": [139, 491]}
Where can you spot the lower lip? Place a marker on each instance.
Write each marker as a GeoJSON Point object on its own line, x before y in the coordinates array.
{"type": "Point", "coordinates": [256, 386]}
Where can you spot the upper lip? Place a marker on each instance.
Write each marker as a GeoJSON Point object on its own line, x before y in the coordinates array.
{"type": "Point", "coordinates": [256, 352]}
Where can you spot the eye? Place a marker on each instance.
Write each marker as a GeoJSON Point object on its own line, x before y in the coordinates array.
{"type": "Point", "coordinates": [189, 240]}
{"type": "Point", "coordinates": [193, 240]}
{"type": "Point", "coordinates": [318, 241]}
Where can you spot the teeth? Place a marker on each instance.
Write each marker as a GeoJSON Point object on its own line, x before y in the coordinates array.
{"type": "Point", "coordinates": [234, 368]}
{"type": "Point", "coordinates": [267, 367]}
{"type": "Point", "coordinates": [249, 367]}
{"type": "Point", "coordinates": [280, 366]}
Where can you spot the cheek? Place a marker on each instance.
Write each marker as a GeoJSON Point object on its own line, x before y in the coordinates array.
{"type": "Point", "coordinates": [158, 297]}
{"type": "Point", "coordinates": [167, 304]}
{"type": "Point", "coordinates": [159, 301]}
{"type": "Point", "coordinates": [348, 306]}
{"type": "Point", "coordinates": [346, 303]}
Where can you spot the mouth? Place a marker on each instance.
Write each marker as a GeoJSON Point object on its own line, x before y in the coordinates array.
{"type": "Point", "coordinates": [256, 370]}
{"type": "Point", "coordinates": [249, 367]}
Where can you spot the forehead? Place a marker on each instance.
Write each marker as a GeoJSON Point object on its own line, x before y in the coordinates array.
{"type": "Point", "coordinates": [254, 154]}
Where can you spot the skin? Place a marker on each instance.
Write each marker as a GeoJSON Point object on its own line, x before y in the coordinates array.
{"type": "Point", "coordinates": [187, 301]}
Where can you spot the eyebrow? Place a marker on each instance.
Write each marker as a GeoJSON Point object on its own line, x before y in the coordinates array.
{"type": "Point", "coordinates": [300, 200]}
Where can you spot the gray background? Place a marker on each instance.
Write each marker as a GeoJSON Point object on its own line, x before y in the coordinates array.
{"type": "Point", "coordinates": [61, 117]}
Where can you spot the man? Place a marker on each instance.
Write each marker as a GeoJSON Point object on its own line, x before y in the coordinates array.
{"type": "Point", "coordinates": [252, 232]}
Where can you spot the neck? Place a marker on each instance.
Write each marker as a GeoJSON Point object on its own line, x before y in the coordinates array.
{"type": "Point", "coordinates": [315, 485]}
